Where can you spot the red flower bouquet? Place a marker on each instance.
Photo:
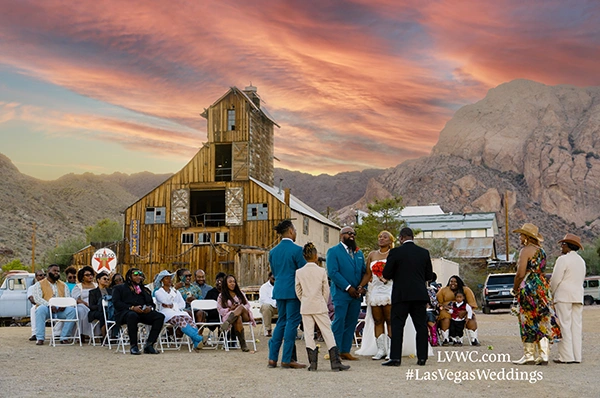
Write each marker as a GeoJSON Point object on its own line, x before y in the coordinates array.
{"type": "Point", "coordinates": [377, 268]}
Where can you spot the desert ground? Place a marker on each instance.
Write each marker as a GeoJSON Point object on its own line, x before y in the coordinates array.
{"type": "Point", "coordinates": [27, 370]}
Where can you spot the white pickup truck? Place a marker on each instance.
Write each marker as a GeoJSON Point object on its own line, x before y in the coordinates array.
{"type": "Point", "coordinates": [13, 295]}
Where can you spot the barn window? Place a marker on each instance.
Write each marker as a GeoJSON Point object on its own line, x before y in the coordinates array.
{"type": "Point", "coordinates": [207, 208]}
{"type": "Point", "coordinates": [305, 225]}
{"type": "Point", "coordinates": [223, 162]}
{"type": "Point", "coordinates": [187, 238]}
{"type": "Point", "coordinates": [203, 238]}
{"type": "Point", "coordinates": [230, 119]}
{"type": "Point", "coordinates": [221, 237]}
{"type": "Point", "coordinates": [156, 215]}
{"type": "Point", "coordinates": [326, 234]}
{"type": "Point", "coordinates": [257, 211]}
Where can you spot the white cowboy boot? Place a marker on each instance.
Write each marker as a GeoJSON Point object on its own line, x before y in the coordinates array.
{"type": "Point", "coordinates": [380, 347]}
{"type": "Point", "coordinates": [388, 347]}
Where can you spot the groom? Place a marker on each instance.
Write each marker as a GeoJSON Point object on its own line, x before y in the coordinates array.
{"type": "Point", "coordinates": [410, 267]}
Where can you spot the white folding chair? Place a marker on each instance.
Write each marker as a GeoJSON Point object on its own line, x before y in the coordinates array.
{"type": "Point", "coordinates": [64, 302]}
{"type": "Point", "coordinates": [358, 339]}
{"type": "Point", "coordinates": [255, 307]}
{"type": "Point", "coordinates": [110, 325]}
{"type": "Point", "coordinates": [214, 339]}
{"type": "Point", "coordinates": [227, 335]}
{"type": "Point", "coordinates": [123, 338]}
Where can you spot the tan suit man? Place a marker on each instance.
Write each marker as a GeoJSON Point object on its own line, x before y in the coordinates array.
{"type": "Point", "coordinates": [312, 289]}
{"type": "Point", "coordinates": [566, 285]}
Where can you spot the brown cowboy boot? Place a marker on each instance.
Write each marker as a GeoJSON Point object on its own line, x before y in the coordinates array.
{"type": "Point", "coordinates": [336, 362]}
{"type": "Point", "coordinates": [242, 339]}
{"type": "Point", "coordinates": [313, 358]}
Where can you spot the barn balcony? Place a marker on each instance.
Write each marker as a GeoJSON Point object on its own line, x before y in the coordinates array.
{"type": "Point", "coordinates": [207, 208]}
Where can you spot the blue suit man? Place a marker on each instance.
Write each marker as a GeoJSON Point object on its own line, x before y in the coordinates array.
{"type": "Point", "coordinates": [285, 259]}
{"type": "Point", "coordinates": [345, 267]}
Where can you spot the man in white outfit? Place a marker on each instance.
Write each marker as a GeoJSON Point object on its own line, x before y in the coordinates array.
{"type": "Point", "coordinates": [39, 275]}
{"type": "Point", "coordinates": [566, 285]}
{"type": "Point", "coordinates": [268, 305]}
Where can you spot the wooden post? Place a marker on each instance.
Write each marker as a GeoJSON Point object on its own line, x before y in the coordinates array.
{"type": "Point", "coordinates": [287, 196]}
{"type": "Point", "coordinates": [506, 221]}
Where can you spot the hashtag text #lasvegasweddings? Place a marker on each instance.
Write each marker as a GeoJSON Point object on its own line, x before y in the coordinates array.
{"type": "Point", "coordinates": [472, 356]}
{"type": "Point", "coordinates": [458, 376]}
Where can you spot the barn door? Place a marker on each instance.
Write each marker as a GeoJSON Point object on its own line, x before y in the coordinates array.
{"type": "Point", "coordinates": [180, 208]}
{"type": "Point", "coordinates": [234, 203]}
{"type": "Point", "coordinates": [240, 161]}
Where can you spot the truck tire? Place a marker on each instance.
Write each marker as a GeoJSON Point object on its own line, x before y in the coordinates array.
{"type": "Point", "coordinates": [588, 300]}
{"type": "Point", "coordinates": [486, 310]}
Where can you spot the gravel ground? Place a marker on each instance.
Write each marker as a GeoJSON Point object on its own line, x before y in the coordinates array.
{"type": "Point", "coordinates": [66, 371]}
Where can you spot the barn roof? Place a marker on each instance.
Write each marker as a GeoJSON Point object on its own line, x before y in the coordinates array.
{"type": "Point", "coordinates": [296, 204]}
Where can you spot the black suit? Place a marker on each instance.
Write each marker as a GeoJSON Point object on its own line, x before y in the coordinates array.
{"type": "Point", "coordinates": [95, 305]}
{"type": "Point", "coordinates": [409, 266]}
{"type": "Point", "coordinates": [123, 299]}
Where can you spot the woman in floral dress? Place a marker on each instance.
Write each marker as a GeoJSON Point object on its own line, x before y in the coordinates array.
{"type": "Point", "coordinates": [537, 319]}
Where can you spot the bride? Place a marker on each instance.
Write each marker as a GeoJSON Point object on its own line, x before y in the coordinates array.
{"type": "Point", "coordinates": [375, 342]}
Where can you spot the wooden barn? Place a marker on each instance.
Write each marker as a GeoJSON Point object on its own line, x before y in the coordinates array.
{"type": "Point", "coordinates": [218, 212]}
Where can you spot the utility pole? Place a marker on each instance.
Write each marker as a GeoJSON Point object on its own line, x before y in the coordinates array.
{"type": "Point", "coordinates": [33, 248]}
{"type": "Point", "coordinates": [506, 221]}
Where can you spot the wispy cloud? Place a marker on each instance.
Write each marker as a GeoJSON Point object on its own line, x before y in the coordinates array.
{"type": "Point", "coordinates": [354, 84]}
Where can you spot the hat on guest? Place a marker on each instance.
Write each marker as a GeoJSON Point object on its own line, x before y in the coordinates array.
{"type": "Point", "coordinates": [159, 277]}
{"type": "Point", "coordinates": [530, 230]}
{"type": "Point", "coordinates": [572, 239]}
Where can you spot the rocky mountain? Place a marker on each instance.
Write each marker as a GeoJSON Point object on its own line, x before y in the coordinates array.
{"type": "Point", "coordinates": [540, 144]}
{"type": "Point", "coordinates": [62, 208]}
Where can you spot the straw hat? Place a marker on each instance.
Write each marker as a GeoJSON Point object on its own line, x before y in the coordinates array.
{"type": "Point", "coordinates": [159, 277]}
{"type": "Point", "coordinates": [572, 239]}
{"type": "Point", "coordinates": [531, 231]}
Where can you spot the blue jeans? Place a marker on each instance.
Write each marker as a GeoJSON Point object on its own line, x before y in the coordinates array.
{"type": "Point", "coordinates": [286, 330]}
{"type": "Point", "coordinates": [344, 323]}
{"type": "Point", "coordinates": [42, 313]}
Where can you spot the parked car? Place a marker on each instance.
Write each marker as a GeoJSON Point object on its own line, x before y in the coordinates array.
{"type": "Point", "coordinates": [591, 290]}
{"type": "Point", "coordinates": [13, 295]}
{"type": "Point", "coordinates": [496, 292]}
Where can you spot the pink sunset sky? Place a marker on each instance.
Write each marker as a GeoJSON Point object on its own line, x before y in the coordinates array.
{"type": "Point", "coordinates": [109, 86]}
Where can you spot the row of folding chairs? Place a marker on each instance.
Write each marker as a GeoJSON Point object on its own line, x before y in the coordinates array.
{"type": "Point", "coordinates": [168, 339]}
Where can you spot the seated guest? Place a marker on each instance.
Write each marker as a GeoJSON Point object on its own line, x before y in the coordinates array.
{"type": "Point", "coordinates": [171, 305]}
{"type": "Point", "coordinates": [103, 291]}
{"type": "Point", "coordinates": [461, 312]}
{"type": "Point", "coordinates": [81, 293]}
{"type": "Point", "coordinates": [117, 279]}
{"type": "Point", "coordinates": [213, 294]}
{"type": "Point", "coordinates": [133, 304]}
{"type": "Point", "coordinates": [43, 291]}
{"type": "Point", "coordinates": [190, 292]}
{"type": "Point", "coordinates": [201, 282]}
{"type": "Point", "coordinates": [71, 275]}
{"type": "Point", "coordinates": [445, 296]}
{"type": "Point", "coordinates": [268, 306]}
{"type": "Point", "coordinates": [234, 307]}
{"type": "Point", "coordinates": [39, 275]}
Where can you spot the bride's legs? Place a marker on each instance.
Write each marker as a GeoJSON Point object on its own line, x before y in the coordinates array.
{"type": "Point", "coordinates": [387, 314]}
{"type": "Point", "coordinates": [378, 319]}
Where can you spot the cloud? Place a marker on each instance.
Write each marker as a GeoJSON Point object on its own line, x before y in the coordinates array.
{"type": "Point", "coordinates": [352, 84]}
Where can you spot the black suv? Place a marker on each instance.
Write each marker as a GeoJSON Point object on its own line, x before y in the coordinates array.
{"type": "Point", "coordinates": [496, 292]}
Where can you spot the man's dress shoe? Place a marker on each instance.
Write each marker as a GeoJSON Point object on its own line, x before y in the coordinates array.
{"type": "Point", "coordinates": [293, 365]}
{"type": "Point", "coordinates": [134, 350]}
{"type": "Point", "coordinates": [421, 362]}
{"type": "Point", "coordinates": [348, 357]}
{"type": "Point", "coordinates": [272, 364]}
{"type": "Point", "coordinates": [40, 342]}
{"type": "Point", "coordinates": [391, 362]}
{"type": "Point", "coordinates": [150, 350]}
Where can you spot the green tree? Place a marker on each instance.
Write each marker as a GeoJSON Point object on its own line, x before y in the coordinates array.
{"type": "Point", "coordinates": [105, 230]}
{"type": "Point", "coordinates": [63, 253]}
{"type": "Point", "coordinates": [11, 266]}
{"type": "Point", "coordinates": [591, 255]}
{"type": "Point", "coordinates": [438, 247]}
{"type": "Point", "coordinates": [384, 215]}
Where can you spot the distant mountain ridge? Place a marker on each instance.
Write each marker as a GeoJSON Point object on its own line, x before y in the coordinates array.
{"type": "Point", "coordinates": [539, 144]}
{"type": "Point", "coordinates": [62, 208]}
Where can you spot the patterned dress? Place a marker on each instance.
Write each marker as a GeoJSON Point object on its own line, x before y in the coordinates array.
{"type": "Point", "coordinates": [536, 312]}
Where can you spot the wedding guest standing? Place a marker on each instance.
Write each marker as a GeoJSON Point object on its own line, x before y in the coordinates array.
{"type": "Point", "coordinates": [566, 285]}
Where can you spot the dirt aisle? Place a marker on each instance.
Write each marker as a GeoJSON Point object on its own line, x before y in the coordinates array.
{"type": "Point", "coordinates": [29, 370]}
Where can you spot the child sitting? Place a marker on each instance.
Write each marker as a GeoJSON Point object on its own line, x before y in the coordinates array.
{"type": "Point", "coordinates": [460, 311]}
{"type": "Point", "coordinates": [312, 289]}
